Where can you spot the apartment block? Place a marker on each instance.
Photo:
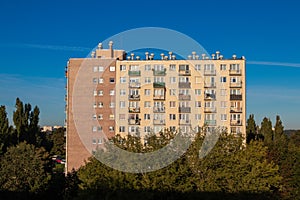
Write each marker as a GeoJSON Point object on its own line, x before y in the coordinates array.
{"type": "Point", "coordinates": [115, 92]}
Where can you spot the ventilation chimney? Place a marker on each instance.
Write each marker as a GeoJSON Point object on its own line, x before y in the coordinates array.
{"type": "Point", "coordinates": [221, 57]}
{"type": "Point", "coordinates": [233, 56]}
{"type": "Point", "coordinates": [203, 56]}
{"type": "Point", "coordinates": [100, 46]}
{"type": "Point", "coordinates": [132, 56]}
{"type": "Point", "coordinates": [218, 54]}
{"type": "Point", "coordinates": [170, 55]}
{"type": "Point", "coordinates": [213, 56]}
{"type": "Point", "coordinates": [152, 56]}
{"type": "Point", "coordinates": [197, 57]}
{"type": "Point", "coordinates": [147, 55]}
{"type": "Point", "coordinates": [243, 58]}
{"type": "Point", "coordinates": [128, 57]}
{"type": "Point", "coordinates": [189, 57]}
{"type": "Point", "coordinates": [173, 57]}
{"type": "Point", "coordinates": [194, 55]}
{"type": "Point", "coordinates": [162, 56]}
{"type": "Point", "coordinates": [137, 57]}
{"type": "Point", "coordinates": [110, 44]}
{"type": "Point", "coordinates": [166, 58]}
{"type": "Point", "coordinates": [93, 54]}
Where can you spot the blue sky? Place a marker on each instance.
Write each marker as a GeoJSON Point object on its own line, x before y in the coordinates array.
{"type": "Point", "coordinates": [38, 37]}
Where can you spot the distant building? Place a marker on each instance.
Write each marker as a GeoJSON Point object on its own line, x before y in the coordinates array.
{"type": "Point", "coordinates": [115, 93]}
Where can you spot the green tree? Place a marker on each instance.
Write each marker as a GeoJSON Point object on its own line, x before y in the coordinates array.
{"type": "Point", "coordinates": [5, 130]}
{"type": "Point", "coordinates": [251, 130]}
{"type": "Point", "coordinates": [22, 169]}
{"type": "Point", "coordinates": [58, 140]}
{"type": "Point", "coordinates": [266, 131]}
{"type": "Point", "coordinates": [278, 130]}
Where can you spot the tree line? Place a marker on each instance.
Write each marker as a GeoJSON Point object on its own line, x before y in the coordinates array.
{"type": "Point", "coordinates": [265, 167]}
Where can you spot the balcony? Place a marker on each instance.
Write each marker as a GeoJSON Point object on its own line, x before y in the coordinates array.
{"type": "Point", "coordinates": [235, 72]}
{"type": "Point", "coordinates": [185, 97]}
{"type": "Point", "coordinates": [208, 96]}
{"type": "Point", "coordinates": [236, 85]}
{"type": "Point", "coordinates": [159, 109]}
{"type": "Point", "coordinates": [210, 72]}
{"type": "Point", "coordinates": [236, 110]}
{"type": "Point", "coordinates": [134, 85]}
{"type": "Point", "coordinates": [210, 85]}
{"type": "Point", "coordinates": [236, 97]}
{"type": "Point", "coordinates": [134, 73]}
{"type": "Point", "coordinates": [210, 122]}
{"type": "Point", "coordinates": [136, 121]}
{"type": "Point", "coordinates": [184, 85]}
{"type": "Point", "coordinates": [236, 123]}
{"type": "Point", "coordinates": [184, 109]}
{"type": "Point", "coordinates": [158, 97]}
{"type": "Point", "coordinates": [159, 72]}
{"type": "Point", "coordinates": [184, 72]}
{"type": "Point", "coordinates": [184, 122]}
{"type": "Point", "coordinates": [159, 122]}
{"type": "Point", "coordinates": [159, 84]}
{"type": "Point", "coordinates": [135, 97]}
{"type": "Point", "coordinates": [210, 109]}
{"type": "Point", "coordinates": [134, 109]}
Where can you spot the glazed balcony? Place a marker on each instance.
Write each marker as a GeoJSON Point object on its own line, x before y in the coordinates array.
{"type": "Point", "coordinates": [159, 109]}
{"type": "Point", "coordinates": [209, 96]}
{"type": "Point", "coordinates": [136, 121]}
{"type": "Point", "coordinates": [236, 97]}
{"type": "Point", "coordinates": [134, 109]}
{"type": "Point", "coordinates": [184, 85]}
{"type": "Point", "coordinates": [235, 72]}
{"type": "Point", "coordinates": [135, 97]}
{"type": "Point", "coordinates": [185, 97]}
{"type": "Point", "coordinates": [210, 122]}
{"type": "Point", "coordinates": [210, 72]}
{"type": "Point", "coordinates": [236, 110]}
{"type": "Point", "coordinates": [159, 122]}
{"type": "Point", "coordinates": [158, 97]}
{"type": "Point", "coordinates": [210, 85]}
{"type": "Point", "coordinates": [236, 123]}
{"type": "Point", "coordinates": [236, 85]}
{"type": "Point", "coordinates": [159, 84]}
{"type": "Point", "coordinates": [210, 109]}
{"type": "Point", "coordinates": [134, 85]}
{"type": "Point", "coordinates": [159, 72]}
{"type": "Point", "coordinates": [134, 73]}
{"type": "Point", "coordinates": [184, 122]}
{"type": "Point", "coordinates": [184, 72]}
{"type": "Point", "coordinates": [184, 109]}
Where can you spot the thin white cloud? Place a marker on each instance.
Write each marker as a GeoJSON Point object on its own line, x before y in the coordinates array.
{"type": "Point", "coordinates": [274, 63]}
{"type": "Point", "coordinates": [49, 47]}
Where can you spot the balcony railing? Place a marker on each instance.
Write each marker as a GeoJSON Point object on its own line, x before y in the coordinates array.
{"type": "Point", "coordinates": [210, 72]}
{"type": "Point", "coordinates": [134, 85]}
{"type": "Point", "coordinates": [159, 109]}
{"type": "Point", "coordinates": [236, 123]}
{"type": "Point", "coordinates": [210, 109]}
{"type": "Point", "coordinates": [210, 85]}
{"type": "Point", "coordinates": [159, 122]}
{"type": "Point", "coordinates": [184, 72]}
{"type": "Point", "coordinates": [210, 122]}
{"type": "Point", "coordinates": [134, 97]}
{"type": "Point", "coordinates": [236, 97]}
{"type": "Point", "coordinates": [134, 109]}
{"type": "Point", "coordinates": [159, 72]}
{"type": "Point", "coordinates": [237, 84]}
{"type": "Point", "coordinates": [158, 97]}
{"type": "Point", "coordinates": [236, 110]}
{"type": "Point", "coordinates": [136, 121]}
{"type": "Point", "coordinates": [185, 97]}
{"type": "Point", "coordinates": [184, 121]}
{"type": "Point", "coordinates": [184, 85]}
{"type": "Point", "coordinates": [134, 73]}
{"type": "Point", "coordinates": [184, 109]}
{"type": "Point", "coordinates": [159, 84]}
{"type": "Point", "coordinates": [235, 72]}
{"type": "Point", "coordinates": [208, 96]}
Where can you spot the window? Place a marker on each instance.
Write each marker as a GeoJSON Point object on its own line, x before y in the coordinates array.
{"type": "Point", "coordinates": [101, 69]}
{"type": "Point", "coordinates": [100, 104]}
{"type": "Point", "coordinates": [123, 79]}
{"type": "Point", "coordinates": [134, 68]}
{"type": "Point", "coordinates": [111, 128]}
{"type": "Point", "coordinates": [94, 141]}
{"type": "Point", "coordinates": [197, 67]}
{"type": "Point", "coordinates": [94, 117]}
{"type": "Point", "coordinates": [122, 129]}
{"type": "Point", "coordinates": [172, 116]}
{"type": "Point", "coordinates": [100, 80]}
{"type": "Point", "coordinates": [223, 104]}
{"type": "Point", "coordinates": [147, 67]}
{"type": "Point", "coordinates": [235, 91]}
{"type": "Point", "coordinates": [197, 92]}
{"type": "Point", "coordinates": [100, 128]}
{"type": "Point", "coordinates": [111, 80]}
{"type": "Point", "coordinates": [122, 116]}
{"type": "Point", "coordinates": [172, 92]}
{"type": "Point", "coordinates": [223, 92]}
{"type": "Point", "coordinates": [95, 92]}
{"type": "Point", "coordinates": [95, 69]}
{"type": "Point", "coordinates": [223, 79]}
{"type": "Point", "coordinates": [172, 104]}
{"type": "Point", "coordinates": [172, 67]}
{"type": "Point", "coordinates": [235, 67]}
{"type": "Point", "coordinates": [172, 79]}
{"type": "Point", "coordinates": [147, 116]}
{"type": "Point", "coordinates": [112, 104]}
{"type": "Point", "coordinates": [99, 141]}
{"type": "Point", "coordinates": [172, 128]}
{"type": "Point", "coordinates": [95, 104]}
{"type": "Point", "coordinates": [100, 92]}
{"type": "Point", "coordinates": [111, 117]}
{"type": "Point", "coordinates": [209, 67]}
{"type": "Point", "coordinates": [112, 68]}
{"type": "Point", "coordinates": [94, 128]}
{"type": "Point", "coordinates": [147, 129]}
{"type": "Point", "coordinates": [197, 104]}
{"type": "Point", "coordinates": [100, 117]}
{"type": "Point", "coordinates": [122, 92]}
{"type": "Point", "coordinates": [112, 92]}
{"type": "Point", "coordinates": [122, 67]}
{"type": "Point", "coordinates": [147, 104]}
{"type": "Point", "coordinates": [198, 79]}
{"type": "Point", "coordinates": [122, 104]}
{"type": "Point", "coordinates": [147, 80]}
{"type": "Point", "coordinates": [223, 67]}
{"type": "Point", "coordinates": [198, 116]}
{"type": "Point", "coordinates": [95, 80]}
{"type": "Point", "coordinates": [223, 117]}
{"type": "Point", "coordinates": [159, 79]}
{"type": "Point", "coordinates": [147, 92]}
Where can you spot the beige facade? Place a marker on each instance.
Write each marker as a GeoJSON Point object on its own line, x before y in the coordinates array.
{"type": "Point", "coordinates": [141, 96]}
